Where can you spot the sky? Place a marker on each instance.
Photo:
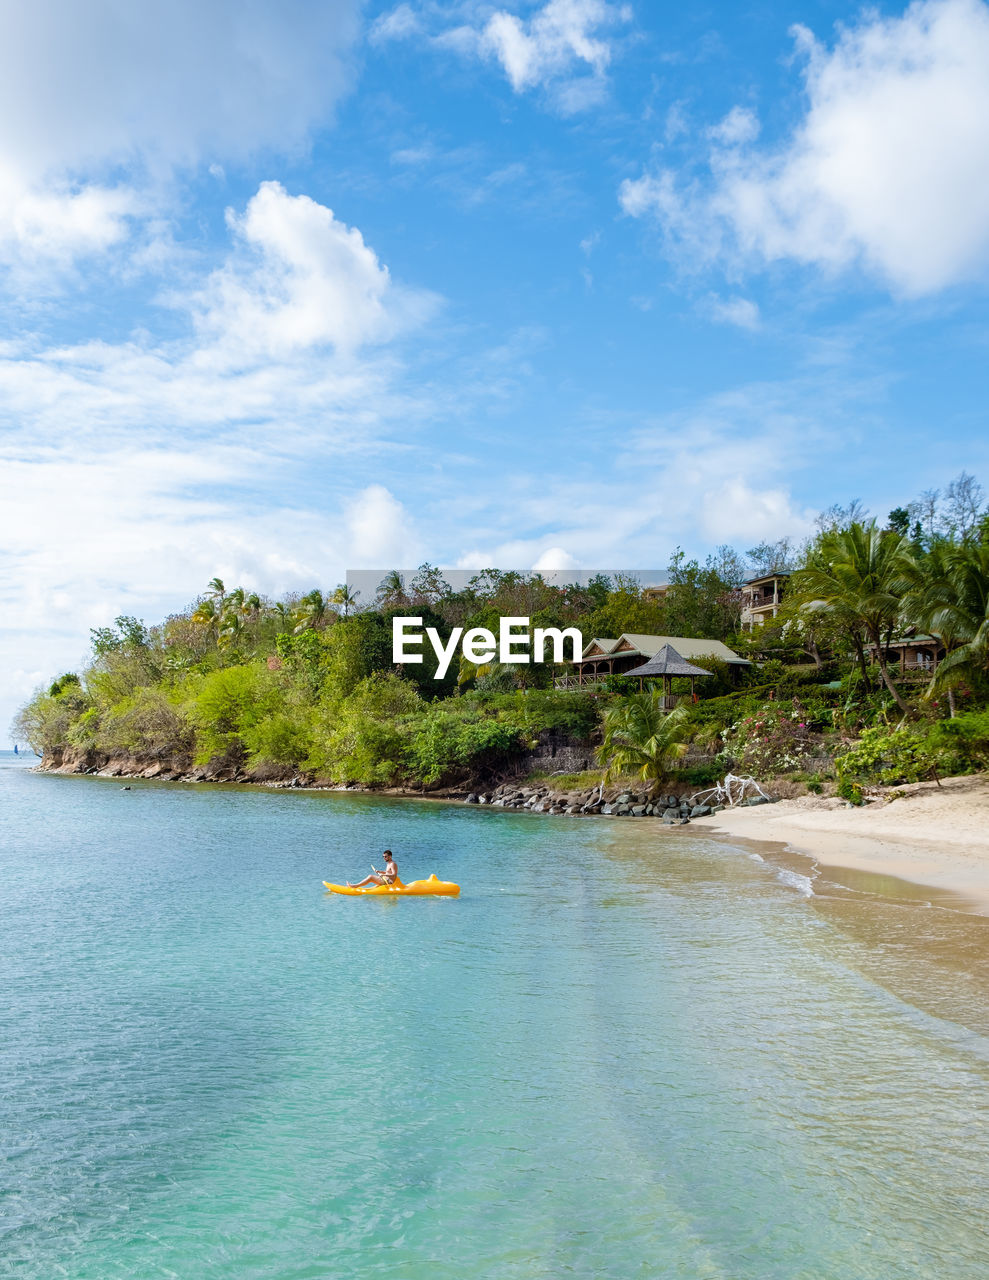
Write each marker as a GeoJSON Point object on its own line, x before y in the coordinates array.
{"type": "Point", "coordinates": [300, 287]}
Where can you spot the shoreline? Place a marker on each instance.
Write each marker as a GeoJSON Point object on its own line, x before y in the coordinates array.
{"type": "Point", "coordinates": [922, 834]}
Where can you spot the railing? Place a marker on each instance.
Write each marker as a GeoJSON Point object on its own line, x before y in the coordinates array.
{"type": "Point", "coordinates": [574, 682]}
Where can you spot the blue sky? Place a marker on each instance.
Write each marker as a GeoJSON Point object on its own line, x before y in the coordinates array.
{"type": "Point", "coordinates": [300, 287]}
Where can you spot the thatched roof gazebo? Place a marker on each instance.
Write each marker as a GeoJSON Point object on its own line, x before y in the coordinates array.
{"type": "Point", "coordinates": [668, 664]}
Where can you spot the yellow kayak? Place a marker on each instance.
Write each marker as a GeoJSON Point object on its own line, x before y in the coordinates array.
{"type": "Point", "coordinates": [416, 889]}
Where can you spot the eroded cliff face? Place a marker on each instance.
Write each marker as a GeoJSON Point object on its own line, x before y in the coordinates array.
{"type": "Point", "coordinates": [174, 769]}
{"type": "Point", "coordinates": [552, 753]}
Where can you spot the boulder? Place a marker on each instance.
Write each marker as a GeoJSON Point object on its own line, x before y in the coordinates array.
{"type": "Point", "coordinates": [752, 800]}
{"type": "Point", "coordinates": [700, 811]}
{"type": "Point", "coordinates": [671, 814]}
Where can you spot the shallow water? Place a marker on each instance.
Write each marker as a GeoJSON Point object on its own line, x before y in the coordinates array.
{"type": "Point", "coordinates": [622, 1052]}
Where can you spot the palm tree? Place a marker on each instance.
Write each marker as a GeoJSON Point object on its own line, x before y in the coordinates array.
{"type": "Point", "coordinates": [859, 575]}
{"type": "Point", "coordinates": [639, 735]}
{"type": "Point", "coordinates": [231, 626]}
{"type": "Point", "coordinates": [215, 589]}
{"type": "Point", "coordinates": [950, 597]}
{"type": "Point", "coordinates": [206, 614]}
{"type": "Point", "coordinates": [310, 612]}
{"type": "Point", "coordinates": [391, 591]}
{"type": "Point", "coordinates": [344, 596]}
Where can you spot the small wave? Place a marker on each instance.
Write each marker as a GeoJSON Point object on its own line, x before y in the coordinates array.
{"type": "Point", "coordinates": [757, 857]}
{"type": "Point", "coordinates": [794, 880]}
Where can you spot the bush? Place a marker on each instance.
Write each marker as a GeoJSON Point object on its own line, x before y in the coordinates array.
{"type": "Point", "coordinates": [228, 708]}
{"type": "Point", "coordinates": [533, 710]}
{"type": "Point", "coordinates": [446, 745]}
{"type": "Point", "coordinates": [364, 738]}
{"type": "Point", "coordinates": [884, 755]}
{"type": "Point", "coordinates": [147, 722]}
{"type": "Point", "coordinates": [700, 775]}
{"type": "Point", "coordinates": [773, 740]}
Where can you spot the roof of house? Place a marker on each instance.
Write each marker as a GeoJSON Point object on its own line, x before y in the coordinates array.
{"type": "Point", "coordinates": [667, 662]}
{"type": "Point", "coordinates": [766, 577]}
{"type": "Point", "coordinates": [604, 643]}
{"type": "Point", "coordinates": [687, 646]}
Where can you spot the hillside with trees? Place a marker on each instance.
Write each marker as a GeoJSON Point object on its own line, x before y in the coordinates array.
{"type": "Point", "coordinates": [240, 686]}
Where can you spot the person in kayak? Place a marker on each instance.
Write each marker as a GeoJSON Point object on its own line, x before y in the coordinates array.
{"type": "Point", "coordinates": [388, 876]}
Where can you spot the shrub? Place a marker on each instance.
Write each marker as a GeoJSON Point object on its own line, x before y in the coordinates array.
{"type": "Point", "coordinates": [364, 738]}
{"type": "Point", "coordinates": [228, 707]}
{"type": "Point", "coordinates": [147, 722]}
{"type": "Point", "coordinates": [772, 740]}
{"type": "Point", "coordinates": [884, 755]}
{"type": "Point", "coordinates": [445, 744]}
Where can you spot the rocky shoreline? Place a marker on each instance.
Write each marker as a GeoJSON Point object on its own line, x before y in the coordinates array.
{"type": "Point", "coordinates": [535, 795]}
{"type": "Point", "coordinates": [616, 802]}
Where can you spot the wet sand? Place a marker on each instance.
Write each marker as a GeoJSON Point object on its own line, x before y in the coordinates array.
{"type": "Point", "coordinates": [924, 834]}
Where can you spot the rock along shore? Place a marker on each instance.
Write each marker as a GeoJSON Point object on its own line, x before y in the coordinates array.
{"type": "Point", "coordinates": [615, 802]}
{"type": "Point", "coordinates": [533, 795]}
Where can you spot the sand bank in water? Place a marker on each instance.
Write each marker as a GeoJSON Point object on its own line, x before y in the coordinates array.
{"type": "Point", "coordinates": [931, 835]}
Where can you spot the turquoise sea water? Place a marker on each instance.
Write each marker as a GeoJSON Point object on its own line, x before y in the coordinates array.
{"type": "Point", "coordinates": [621, 1053]}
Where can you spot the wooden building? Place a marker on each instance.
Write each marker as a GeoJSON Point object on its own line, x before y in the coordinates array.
{"type": "Point", "coordinates": [917, 656]}
{"type": "Point", "coordinates": [761, 599]}
{"type": "Point", "coordinates": [604, 656]}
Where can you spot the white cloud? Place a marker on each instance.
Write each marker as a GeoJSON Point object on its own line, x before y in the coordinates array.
{"type": "Point", "coordinates": [719, 471]}
{"type": "Point", "coordinates": [555, 38]}
{"type": "Point", "coordinates": [302, 279]}
{"type": "Point", "coordinates": [885, 170]}
{"type": "Point", "coordinates": [132, 472]}
{"type": "Point", "coordinates": [55, 225]}
{"type": "Point", "coordinates": [379, 530]}
{"type": "Point", "coordinates": [398, 24]}
{"type": "Point", "coordinates": [562, 48]}
{"type": "Point", "coordinates": [555, 558]}
{"type": "Point", "coordinates": [737, 311]}
{"type": "Point", "coordinates": [100, 100]}
{"type": "Point", "coordinates": [739, 125]}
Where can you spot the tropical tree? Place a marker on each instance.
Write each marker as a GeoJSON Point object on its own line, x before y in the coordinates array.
{"type": "Point", "coordinates": [391, 591]}
{"type": "Point", "coordinates": [949, 595]}
{"type": "Point", "coordinates": [639, 736]}
{"type": "Point", "coordinates": [311, 611]}
{"type": "Point", "coordinates": [231, 629]}
{"type": "Point", "coordinates": [206, 614]}
{"type": "Point", "coordinates": [859, 575]}
{"type": "Point", "coordinates": [344, 597]}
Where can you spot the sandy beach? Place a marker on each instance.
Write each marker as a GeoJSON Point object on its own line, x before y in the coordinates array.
{"type": "Point", "coordinates": [930, 835]}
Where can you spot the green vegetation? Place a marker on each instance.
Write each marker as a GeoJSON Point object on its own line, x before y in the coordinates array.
{"type": "Point", "coordinates": [238, 683]}
{"type": "Point", "coordinates": [640, 737]}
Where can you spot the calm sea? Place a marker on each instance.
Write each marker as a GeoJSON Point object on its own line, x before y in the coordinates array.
{"type": "Point", "coordinates": [623, 1052]}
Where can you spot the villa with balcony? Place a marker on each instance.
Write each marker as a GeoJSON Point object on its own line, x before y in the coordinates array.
{"type": "Point", "coordinates": [916, 656]}
{"type": "Point", "coordinates": [761, 599]}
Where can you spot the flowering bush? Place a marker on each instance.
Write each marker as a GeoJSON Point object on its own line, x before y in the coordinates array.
{"type": "Point", "coordinates": [773, 740]}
